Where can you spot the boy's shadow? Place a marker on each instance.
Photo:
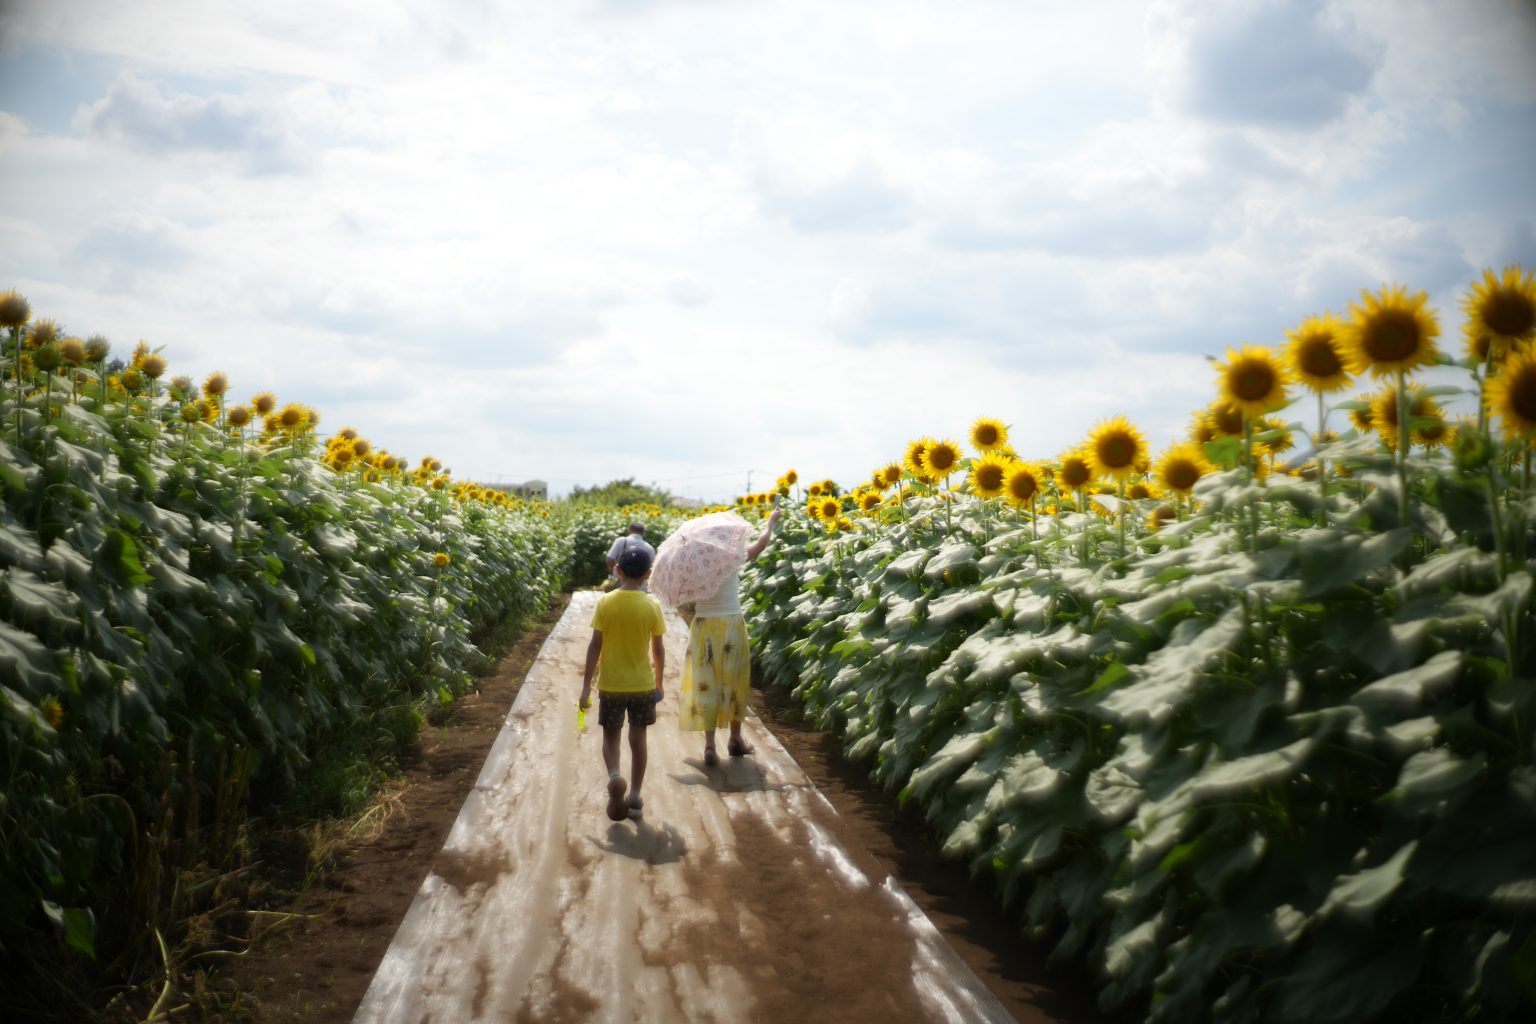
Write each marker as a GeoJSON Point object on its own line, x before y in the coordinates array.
{"type": "Point", "coordinates": [644, 842]}
{"type": "Point", "coordinates": [736, 775]}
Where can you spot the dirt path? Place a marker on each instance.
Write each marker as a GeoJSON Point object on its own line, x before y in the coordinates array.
{"type": "Point", "coordinates": [736, 898]}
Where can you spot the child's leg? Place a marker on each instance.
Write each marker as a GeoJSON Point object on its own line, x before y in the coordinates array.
{"type": "Point", "coordinates": [611, 735]}
{"type": "Point", "coordinates": [637, 759]}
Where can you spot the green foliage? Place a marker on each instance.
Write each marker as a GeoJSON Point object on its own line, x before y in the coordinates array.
{"type": "Point", "coordinates": [621, 494]}
{"type": "Point", "coordinates": [1253, 768]}
{"type": "Point", "coordinates": [194, 629]}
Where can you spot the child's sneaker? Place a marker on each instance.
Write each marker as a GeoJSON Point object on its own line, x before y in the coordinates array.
{"type": "Point", "coordinates": [636, 808]}
{"type": "Point", "coordinates": [618, 810]}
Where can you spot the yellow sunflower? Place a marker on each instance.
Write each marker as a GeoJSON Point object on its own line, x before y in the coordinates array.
{"type": "Point", "coordinates": [913, 459]}
{"type": "Point", "coordinates": [264, 403]}
{"type": "Point", "coordinates": [987, 434]}
{"type": "Point", "coordinates": [1160, 515]}
{"type": "Point", "coordinates": [828, 507]}
{"type": "Point", "coordinates": [292, 417]}
{"type": "Point", "coordinates": [891, 473]}
{"type": "Point", "coordinates": [239, 416]}
{"type": "Point", "coordinates": [216, 384]}
{"type": "Point", "coordinates": [1511, 395]}
{"type": "Point", "coordinates": [869, 501]}
{"type": "Point", "coordinates": [1023, 484]}
{"type": "Point", "coordinates": [1252, 381]}
{"type": "Point", "coordinates": [1502, 309]}
{"type": "Point", "coordinates": [15, 310]}
{"type": "Point", "coordinates": [1224, 419]}
{"type": "Point", "coordinates": [940, 458]}
{"type": "Point", "coordinates": [1315, 355]}
{"type": "Point", "coordinates": [1115, 447]}
{"type": "Point", "coordinates": [1364, 420]}
{"type": "Point", "coordinates": [988, 475]}
{"type": "Point", "coordinates": [1181, 467]}
{"type": "Point", "coordinates": [791, 478]}
{"type": "Point", "coordinates": [152, 366]}
{"type": "Point", "coordinates": [1280, 435]}
{"type": "Point", "coordinates": [1074, 470]}
{"type": "Point", "coordinates": [1420, 406]}
{"type": "Point", "coordinates": [1391, 332]}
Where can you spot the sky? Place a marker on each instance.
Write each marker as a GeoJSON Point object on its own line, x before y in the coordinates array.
{"type": "Point", "coordinates": [699, 243]}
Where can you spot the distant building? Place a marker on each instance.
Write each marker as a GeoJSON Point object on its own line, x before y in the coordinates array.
{"type": "Point", "coordinates": [529, 490]}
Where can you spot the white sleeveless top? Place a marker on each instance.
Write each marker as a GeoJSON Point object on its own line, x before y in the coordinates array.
{"type": "Point", "coordinates": [725, 601]}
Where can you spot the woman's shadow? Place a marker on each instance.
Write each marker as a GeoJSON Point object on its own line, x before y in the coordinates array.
{"type": "Point", "coordinates": [731, 775]}
{"type": "Point", "coordinates": [639, 840]}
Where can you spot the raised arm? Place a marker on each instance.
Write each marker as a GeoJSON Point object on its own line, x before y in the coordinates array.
{"type": "Point", "coordinates": [762, 542]}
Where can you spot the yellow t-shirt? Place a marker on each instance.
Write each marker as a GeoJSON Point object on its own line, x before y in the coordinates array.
{"type": "Point", "coordinates": [627, 619]}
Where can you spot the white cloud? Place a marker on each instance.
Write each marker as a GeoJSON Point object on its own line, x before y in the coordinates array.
{"type": "Point", "coordinates": [138, 114]}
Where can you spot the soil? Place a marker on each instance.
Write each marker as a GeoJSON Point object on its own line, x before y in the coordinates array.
{"type": "Point", "coordinates": [317, 964]}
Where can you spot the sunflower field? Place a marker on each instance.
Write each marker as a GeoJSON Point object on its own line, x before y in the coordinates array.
{"type": "Point", "coordinates": [1249, 725]}
{"type": "Point", "coordinates": [208, 611]}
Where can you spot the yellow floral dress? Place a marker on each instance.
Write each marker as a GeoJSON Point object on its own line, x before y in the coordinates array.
{"type": "Point", "coordinates": [716, 674]}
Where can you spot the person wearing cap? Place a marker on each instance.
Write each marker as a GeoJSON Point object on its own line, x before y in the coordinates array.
{"type": "Point", "coordinates": [626, 622]}
{"type": "Point", "coordinates": [634, 539]}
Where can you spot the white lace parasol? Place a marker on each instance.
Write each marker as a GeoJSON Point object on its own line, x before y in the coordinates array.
{"type": "Point", "coordinates": [692, 563]}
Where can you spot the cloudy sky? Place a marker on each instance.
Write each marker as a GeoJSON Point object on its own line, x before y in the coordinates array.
{"type": "Point", "coordinates": [691, 240]}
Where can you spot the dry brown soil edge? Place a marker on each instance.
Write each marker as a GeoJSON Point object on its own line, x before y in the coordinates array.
{"type": "Point", "coordinates": [317, 967]}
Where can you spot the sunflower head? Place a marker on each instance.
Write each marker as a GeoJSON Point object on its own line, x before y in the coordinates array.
{"type": "Point", "coordinates": [47, 356]}
{"type": "Point", "coordinates": [216, 384]}
{"type": "Point", "coordinates": [1181, 467]}
{"type": "Point", "coordinates": [153, 367]}
{"type": "Point", "coordinates": [814, 490]}
{"type": "Point", "coordinates": [264, 403]}
{"type": "Point", "coordinates": [1160, 516]}
{"type": "Point", "coordinates": [890, 473]}
{"type": "Point", "coordinates": [73, 350]}
{"type": "Point", "coordinates": [1316, 356]}
{"type": "Point", "coordinates": [1141, 490]}
{"type": "Point", "coordinates": [912, 460]}
{"type": "Point", "coordinates": [791, 478]}
{"type": "Point", "coordinates": [828, 508]}
{"type": "Point", "coordinates": [1115, 447]}
{"type": "Point", "coordinates": [240, 416]}
{"type": "Point", "coordinates": [1510, 395]}
{"type": "Point", "coordinates": [97, 348]}
{"type": "Point", "coordinates": [1074, 470]}
{"type": "Point", "coordinates": [869, 501]}
{"type": "Point", "coordinates": [1023, 483]}
{"type": "Point", "coordinates": [1390, 332]}
{"type": "Point", "coordinates": [1501, 308]}
{"type": "Point", "coordinates": [440, 560]}
{"type": "Point", "coordinates": [989, 474]}
{"type": "Point", "coordinates": [292, 417]}
{"type": "Point", "coordinates": [988, 434]}
{"type": "Point", "coordinates": [191, 412]}
{"type": "Point", "coordinates": [361, 446]}
{"type": "Point", "coordinates": [940, 458]}
{"type": "Point", "coordinates": [1276, 435]}
{"type": "Point", "coordinates": [15, 310]}
{"type": "Point", "coordinates": [131, 379]}
{"type": "Point", "coordinates": [1252, 381]}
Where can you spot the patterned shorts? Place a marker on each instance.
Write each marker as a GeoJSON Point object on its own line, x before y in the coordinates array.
{"type": "Point", "coordinates": [611, 708]}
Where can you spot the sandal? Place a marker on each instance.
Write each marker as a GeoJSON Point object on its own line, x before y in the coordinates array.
{"type": "Point", "coordinates": [740, 748]}
{"type": "Point", "coordinates": [617, 809]}
{"type": "Point", "coordinates": [710, 757]}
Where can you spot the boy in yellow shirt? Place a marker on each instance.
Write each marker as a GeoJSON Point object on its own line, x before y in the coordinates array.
{"type": "Point", "coordinates": [623, 622]}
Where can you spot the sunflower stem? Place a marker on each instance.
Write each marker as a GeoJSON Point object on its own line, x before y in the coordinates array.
{"type": "Point", "coordinates": [1253, 477]}
{"type": "Point", "coordinates": [1322, 463]}
{"type": "Point", "coordinates": [16, 344]}
{"type": "Point", "coordinates": [1120, 509]}
{"type": "Point", "coordinates": [1404, 440]}
{"type": "Point", "coordinates": [1482, 388]}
